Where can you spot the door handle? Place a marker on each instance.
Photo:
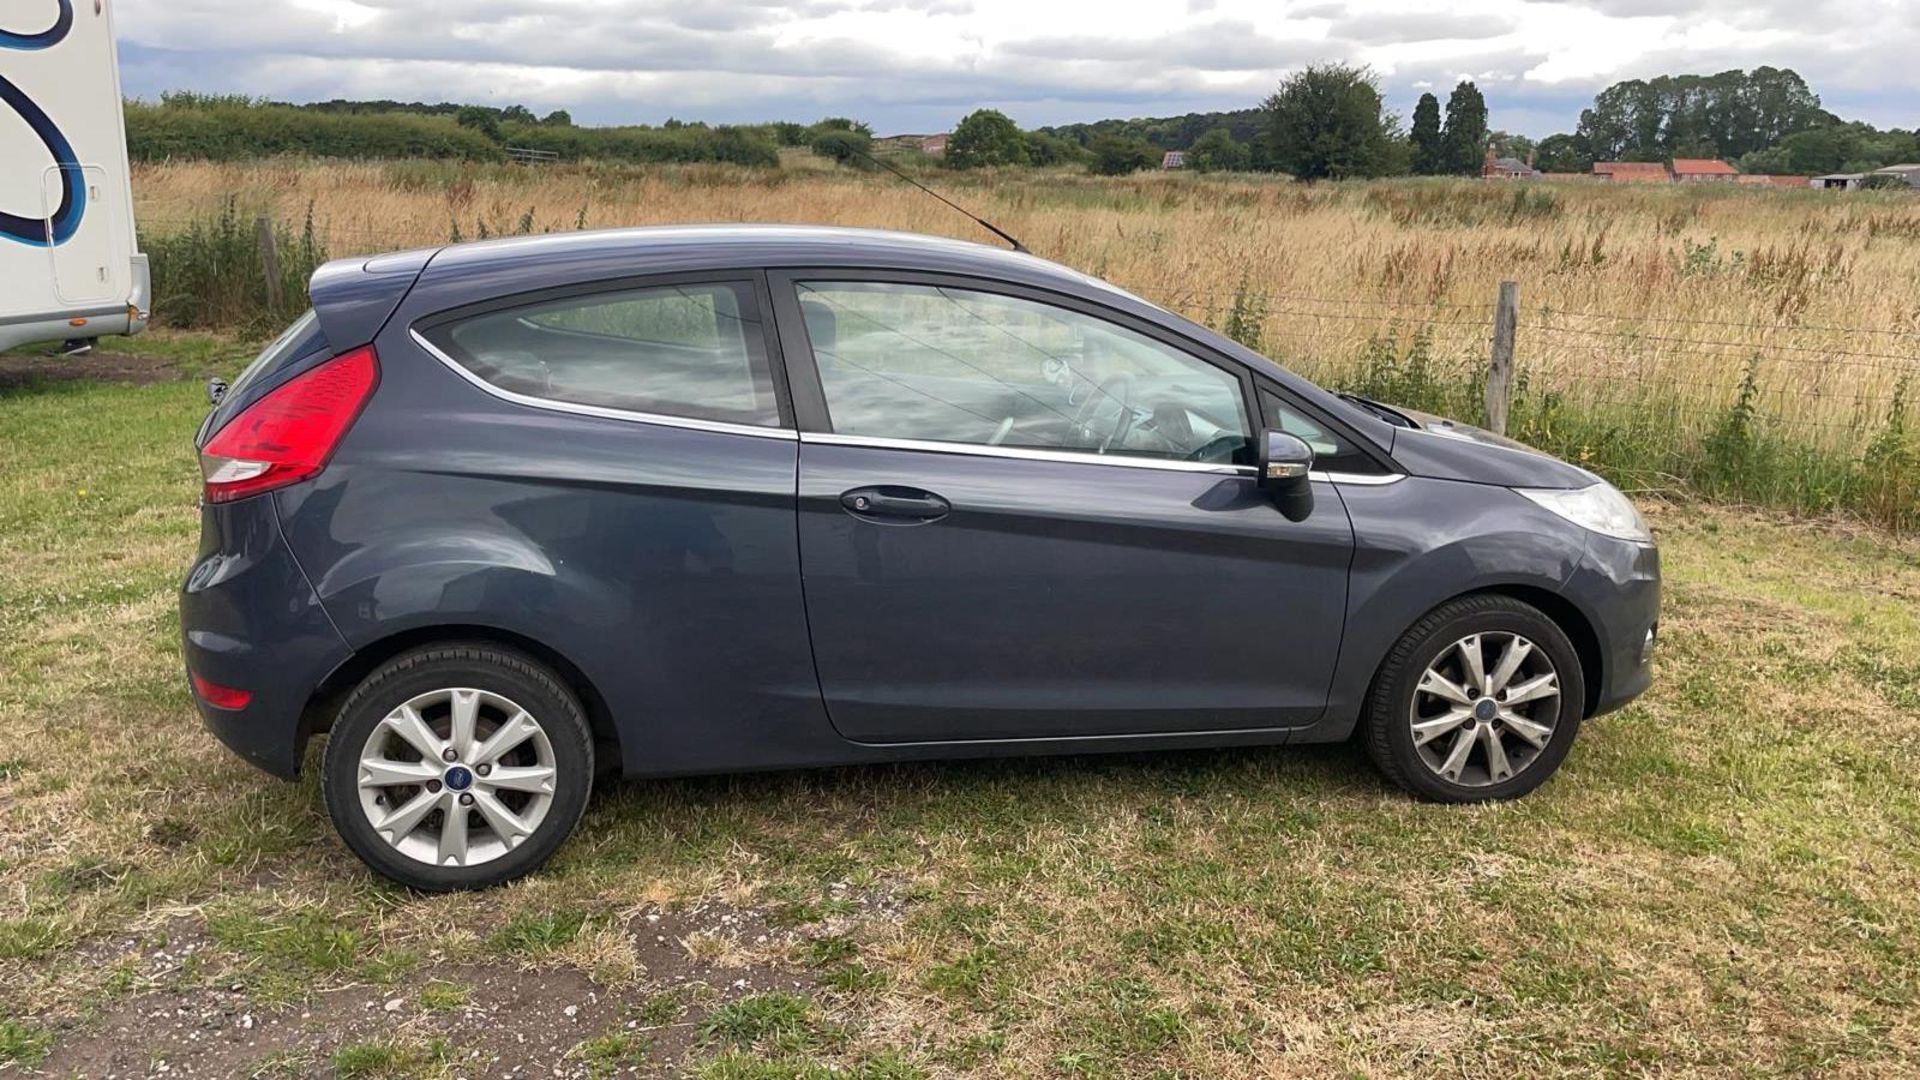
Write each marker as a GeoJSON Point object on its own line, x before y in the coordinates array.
{"type": "Point", "coordinates": [894, 503]}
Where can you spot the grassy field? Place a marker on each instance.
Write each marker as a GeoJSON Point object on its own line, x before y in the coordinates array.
{"type": "Point", "coordinates": [1754, 344]}
{"type": "Point", "coordinates": [1723, 881]}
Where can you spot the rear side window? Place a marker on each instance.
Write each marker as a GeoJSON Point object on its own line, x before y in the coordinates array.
{"type": "Point", "coordinates": [694, 351]}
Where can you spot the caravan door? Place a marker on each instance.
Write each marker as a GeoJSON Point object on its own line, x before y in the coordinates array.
{"type": "Point", "coordinates": [90, 267]}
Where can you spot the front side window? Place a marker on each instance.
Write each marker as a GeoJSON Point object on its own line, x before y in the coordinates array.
{"type": "Point", "coordinates": [942, 364]}
{"type": "Point", "coordinates": [679, 350]}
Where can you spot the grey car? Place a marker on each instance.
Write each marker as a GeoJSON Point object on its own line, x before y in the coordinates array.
{"type": "Point", "coordinates": [504, 517]}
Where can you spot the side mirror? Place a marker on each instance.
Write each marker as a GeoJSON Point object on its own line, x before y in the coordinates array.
{"type": "Point", "coordinates": [1284, 461]}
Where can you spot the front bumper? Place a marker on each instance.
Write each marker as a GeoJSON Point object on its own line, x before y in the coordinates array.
{"type": "Point", "coordinates": [249, 619]}
{"type": "Point", "coordinates": [1618, 585]}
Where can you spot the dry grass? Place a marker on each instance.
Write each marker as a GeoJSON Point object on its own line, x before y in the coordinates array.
{"type": "Point", "coordinates": [1674, 288]}
{"type": "Point", "coordinates": [1724, 881]}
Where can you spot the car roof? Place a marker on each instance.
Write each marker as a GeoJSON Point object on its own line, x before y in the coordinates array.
{"type": "Point", "coordinates": [675, 248]}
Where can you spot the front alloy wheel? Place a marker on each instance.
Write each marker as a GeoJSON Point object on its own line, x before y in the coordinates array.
{"type": "Point", "coordinates": [1485, 708]}
{"type": "Point", "coordinates": [1480, 699]}
{"type": "Point", "coordinates": [458, 767]}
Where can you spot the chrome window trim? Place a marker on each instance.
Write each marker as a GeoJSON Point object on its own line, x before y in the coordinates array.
{"type": "Point", "coordinates": [601, 411]}
{"type": "Point", "coordinates": [1065, 457]}
{"type": "Point", "coordinates": [1358, 479]}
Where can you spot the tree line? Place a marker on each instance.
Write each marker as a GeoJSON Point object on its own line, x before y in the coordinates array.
{"type": "Point", "coordinates": [1326, 121]}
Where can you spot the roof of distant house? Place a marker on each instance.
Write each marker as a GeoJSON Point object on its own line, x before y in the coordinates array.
{"type": "Point", "coordinates": [1514, 164]}
{"type": "Point", "coordinates": [1900, 170]}
{"type": "Point", "coordinates": [1703, 167]}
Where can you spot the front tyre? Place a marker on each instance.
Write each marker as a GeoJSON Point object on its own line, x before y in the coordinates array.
{"type": "Point", "coordinates": [1480, 700]}
{"type": "Point", "coordinates": [458, 767]}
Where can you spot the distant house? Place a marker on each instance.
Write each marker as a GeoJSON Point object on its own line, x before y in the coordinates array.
{"type": "Point", "coordinates": [1506, 168]}
{"type": "Point", "coordinates": [1909, 173]}
{"type": "Point", "coordinates": [1703, 171]}
{"type": "Point", "coordinates": [1173, 159]}
{"type": "Point", "coordinates": [1764, 180]}
{"type": "Point", "coordinates": [1839, 181]}
{"type": "Point", "coordinates": [934, 145]}
{"type": "Point", "coordinates": [1631, 172]}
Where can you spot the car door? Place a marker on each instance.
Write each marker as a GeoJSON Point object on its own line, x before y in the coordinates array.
{"type": "Point", "coordinates": [1024, 517]}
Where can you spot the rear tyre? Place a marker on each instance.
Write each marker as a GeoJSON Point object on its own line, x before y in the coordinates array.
{"type": "Point", "coordinates": [458, 767]}
{"type": "Point", "coordinates": [1480, 700]}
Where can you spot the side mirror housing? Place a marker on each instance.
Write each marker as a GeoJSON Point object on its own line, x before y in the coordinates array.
{"type": "Point", "coordinates": [1284, 461]}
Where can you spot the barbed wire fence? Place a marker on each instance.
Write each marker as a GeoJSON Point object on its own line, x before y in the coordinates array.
{"type": "Point", "coordinates": [1834, 385]}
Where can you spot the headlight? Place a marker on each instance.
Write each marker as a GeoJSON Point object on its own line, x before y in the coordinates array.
{"type": "Point", "coordinates": [1600, 508]}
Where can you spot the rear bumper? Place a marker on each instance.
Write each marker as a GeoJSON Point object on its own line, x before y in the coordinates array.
{"type": "Point", "coordinates": [250, 620]}
{"type": "Point", "coordinates": [1619, 585]}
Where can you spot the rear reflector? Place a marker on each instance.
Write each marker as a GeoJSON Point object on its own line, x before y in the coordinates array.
{"type": "Point", "coordinates": [289, 435]}
{"type": "Point", "coordinates": [220, 697]}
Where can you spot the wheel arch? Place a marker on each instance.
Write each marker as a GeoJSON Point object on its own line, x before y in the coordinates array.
{"type": "Point", "coordinates": [324, 703]}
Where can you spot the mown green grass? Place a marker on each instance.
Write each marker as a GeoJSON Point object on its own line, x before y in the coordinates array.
{"type": "Point", "coordinates": [1725, 879]}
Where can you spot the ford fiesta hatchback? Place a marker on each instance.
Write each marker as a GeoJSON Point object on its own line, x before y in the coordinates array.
{"type": "Point", "coordinates": [499, 518]}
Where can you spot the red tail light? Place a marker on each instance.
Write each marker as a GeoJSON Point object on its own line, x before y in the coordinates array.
{"type": "Point", "coordinates": [290, 434]}
{"type": "Point", "coordinates": [220, 697]}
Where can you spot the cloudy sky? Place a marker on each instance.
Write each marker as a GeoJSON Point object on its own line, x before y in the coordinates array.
{"type": "Point", "coordinates": [918, 65]}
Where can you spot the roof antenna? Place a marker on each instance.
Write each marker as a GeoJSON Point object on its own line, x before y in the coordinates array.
{"type": "Point", "coordinates": [977, 220]}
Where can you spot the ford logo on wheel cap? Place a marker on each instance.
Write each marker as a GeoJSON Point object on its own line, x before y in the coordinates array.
{"type": "Point", "coordinates": [459, 778]}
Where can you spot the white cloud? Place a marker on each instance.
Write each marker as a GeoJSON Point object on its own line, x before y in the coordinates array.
{"type": "Point", "coordinates": [919, 64]}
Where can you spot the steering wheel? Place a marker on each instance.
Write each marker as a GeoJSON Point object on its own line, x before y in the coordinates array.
{"type": "Point", "coordinates": [1115, 392]}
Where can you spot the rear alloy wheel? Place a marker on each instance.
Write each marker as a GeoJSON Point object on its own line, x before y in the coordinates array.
{"type": "Point", "coordinates": [1479, 700]}
{"type": "Point", "coordinates": [458, 767]}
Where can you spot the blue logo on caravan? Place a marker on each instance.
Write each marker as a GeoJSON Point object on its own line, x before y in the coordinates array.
{"type": "Point", "coordinates": [58, 229]}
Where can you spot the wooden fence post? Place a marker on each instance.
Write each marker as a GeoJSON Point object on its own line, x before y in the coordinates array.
{"type": "Point", "coordinates": [269, 260]}
{"type": "Point", "coordinates": [1506, 315]}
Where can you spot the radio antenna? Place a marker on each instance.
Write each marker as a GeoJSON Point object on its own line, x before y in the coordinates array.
{"type": "Point", "coordinates": [975, 218]}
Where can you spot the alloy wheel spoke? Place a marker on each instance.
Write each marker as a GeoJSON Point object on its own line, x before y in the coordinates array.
{"type": "Point", "coordinates": [1425, 731]}
{"type": "Point", "coordinates": [504, 822]}
{"type": "Point", "coordinates": [1457, 756]}
{"type": "Point", "coordinates": [518, 729]}
{"type": "Point", "coordinates": [534, 778]}
{"type": "Point", "coordinates": [407, 723]}
{"type": "Point", "coordinates": [383, 772]}
{"type": "Point", "coordinates": [1536, 733]}
{"type": "Point", "coordinates": [453, 832]}
{"type": "Point", "coordinates": [1511, 657]}
{"type": "Point", "coordinates": [1540, 686]}
{"type": "Point", "coordinates": [1497, 766]}
{"type": "Point", "coordinates": [1444, 688]}
{"type": "Point", "coordinates": [1472, 665]}
{"type": "Point", "coordinates": [465, 712]}
{"type": "Point", "coordinates": [400, 823]}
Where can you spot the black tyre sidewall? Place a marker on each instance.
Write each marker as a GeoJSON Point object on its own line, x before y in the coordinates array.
{"type": "Point", "coordinates": [509, 674]}
{"type": "Point", "coordinates": [1390, 733]}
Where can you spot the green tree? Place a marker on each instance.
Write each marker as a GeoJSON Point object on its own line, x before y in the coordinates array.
{"type": "Point", "coordinates": [1218, 151]}
{"type": "Point", "coordinates": [842, 123]}
{"type": "Point", "coordinates": [986, 137]}
{"type": "Point", "coordinates": [557, 118]}
{"type": "Point", "coordinates": [1732, 113]}
{"type": "Point", "coordinates": [844, 145]}
{"type": "Point", "coordinates": [1425, 135]}
{"type": "Point", "coordinates": [1117, 155]}
{"type": "Point", "coordinates": [478, 119]}
{"type": "Point", "coordinates": [1328, 121]}
{"type": "Point", "coordinates": [1463, 141]}
{"type": "Point", "coordinates": [1044, 150]}
{"type": "Point", "coordinates": [1562, 153]}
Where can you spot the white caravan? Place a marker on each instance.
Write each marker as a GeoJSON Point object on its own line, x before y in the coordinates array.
{"type": "Point", "coordinates": [69, 266]}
